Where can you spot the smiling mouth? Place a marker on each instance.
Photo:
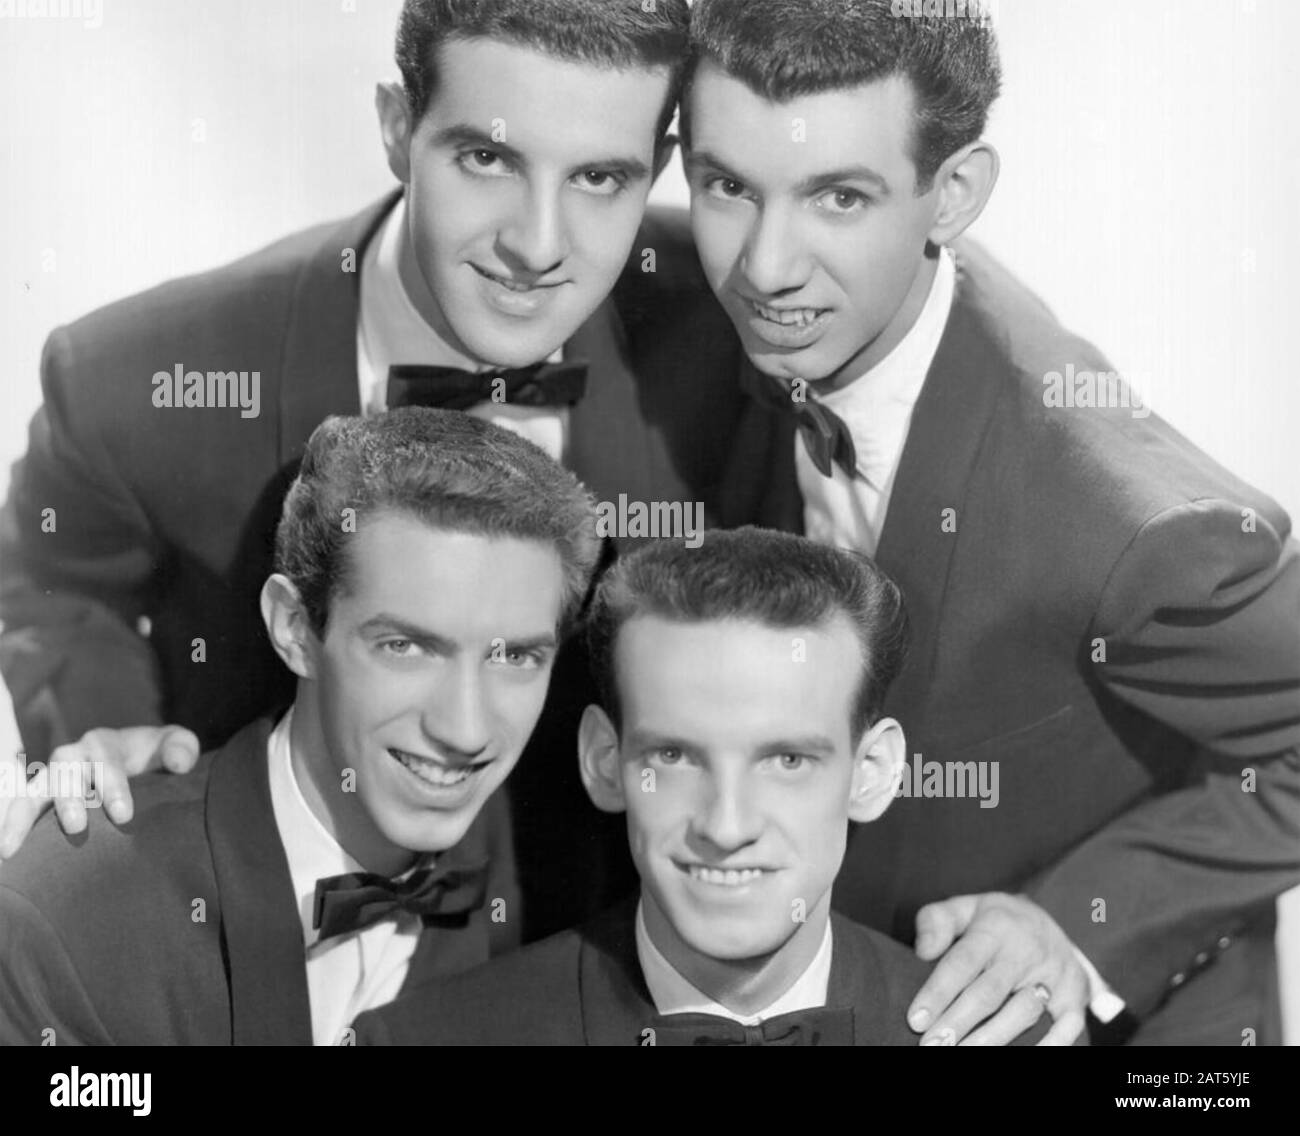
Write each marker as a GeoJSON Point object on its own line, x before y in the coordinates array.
{"type": "Point", "coordinates": [724, 877]}
{"type": "Point", "coordinates": [511, 284]}
{"type": "Point", "coordinates": [435, 772]}
{"type": "Point", "coordinates": [787, 317]}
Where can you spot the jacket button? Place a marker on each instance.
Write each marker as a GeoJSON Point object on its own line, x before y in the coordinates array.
{"type": "Point", "coordinates": [1178, 979]}
{"type": "Point", "coordinates": [1202, 958]}
{"type": "Point", "coordinates": [1224, 943]}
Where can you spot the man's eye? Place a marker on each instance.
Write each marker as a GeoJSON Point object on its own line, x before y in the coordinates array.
{"type": "Point", "coordinates": [791, 762]}
{"type": "Point", "coordinates": [401, 648]}
{"type": "Point", "coordinates": [602, 182]}
{"type": "Point", "coordinates": [668, 755]}
{"type": "Point", "coordinates": [727, 188]}
{"type": "Point", "coordinates": [525, 660]}
{"type": "Point", "coordinates": [485, 162]}
{"type": "Point", "coordinates": [842, 201]}
{"type": "Point", "coordinates": [517, 658]}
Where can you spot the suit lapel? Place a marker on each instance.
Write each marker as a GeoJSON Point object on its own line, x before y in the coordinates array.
{"type": "Point", "coordinates": [610, 448]}
{"type": "Point", "coordinates": [260, 927]}
{"type": "Point", "coordinates": [759, 486]}
{"type": "Point", "coordinates": [616, 1006]}
{"type": "Point", "coordinates": [947, 429]}
{"type": "Point", "coordinates": [856, 983]}
{"type": "Point", "coordinates": [319, 374]}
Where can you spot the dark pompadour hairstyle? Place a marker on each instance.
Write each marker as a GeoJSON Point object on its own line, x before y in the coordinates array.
{"type": "Point", "coordinates": [443, 467]}
{"type": "Point", "coordinates": [782, 49]}
{"type": "Point", "coordinates": [618, 34]}
{"type": "Point", "coordinates": [771, 578]}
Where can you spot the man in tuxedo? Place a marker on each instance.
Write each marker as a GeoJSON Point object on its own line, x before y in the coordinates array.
{"type": "Point", "coordinates": [1102, 615]}
{"type": "Point", "coordinates": [426, 565]}
{"type": "Point", "coordinates": [741, 731]}
{"type": "Point", "coordinates": [526, 135]}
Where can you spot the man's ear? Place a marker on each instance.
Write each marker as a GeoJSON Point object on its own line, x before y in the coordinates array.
{"type": "Point", "coordinates": [663, 155]}
{"type": "Point", "coordinates": [287, 625]}
{"type": "Point", "coordinates": [964, 183]}
{"type": "Point", "coordinates": [877, 767]}
{"type": "Point", "coordinates": [396, 128]}
{"type": "Point", "coordinates": [598, 760]}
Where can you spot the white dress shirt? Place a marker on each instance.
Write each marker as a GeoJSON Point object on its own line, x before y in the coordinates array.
{"type": "Point", "coordinates": [673, 994]}
{"type": "Point", "coordinates": [391, 331]}
{"type": "Point", "coordinates": [877, 409]}
{"type": "Point", "coordinates": [348, 973]}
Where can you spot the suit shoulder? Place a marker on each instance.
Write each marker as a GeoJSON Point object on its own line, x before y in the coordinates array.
{"type": "Point", "coordinates": [1079, 423]}
{"type": "Point", "coordinates": [527, 997]}
{"type": "Point", "coordinates": [122, 871]}
{"type": "Point", "coordinates": [905, 973]}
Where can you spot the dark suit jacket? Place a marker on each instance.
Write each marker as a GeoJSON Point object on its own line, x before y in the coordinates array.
{"type": "Point", "coordinates": [585, 987]}
{"type": "Point", "coordinates": [103, 938]}
{"type": "Point", "coordinates": [170, 513]}
{"type": "Point", "coordinates": [1121, 781]}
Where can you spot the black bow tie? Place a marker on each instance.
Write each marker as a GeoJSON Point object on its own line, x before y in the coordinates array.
{"type": "Point", "coordinates": [804, 1027]}
{"type": "Point", "coordinates": [355, 900]}
{"type": "Point", "coordinates": [824, 432]}
{"type": "Point", "coordinates": [449, 388]}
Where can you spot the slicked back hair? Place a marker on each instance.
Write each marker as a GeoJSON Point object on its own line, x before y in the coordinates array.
{"type": "Point", "coordinates": [454, 472]}
{"type": "Point", "coordinates": [771, 578]}
{"type": "Point", "coordinates": [784, 49]}
{"type": "Point", "coordinates": [615, 34]}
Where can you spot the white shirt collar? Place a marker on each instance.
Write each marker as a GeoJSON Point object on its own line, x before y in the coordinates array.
{"type": "Point", "coordinates": [877, 406]}
{"type": "Point", "coordinates": [673, 994]}
{"type": "Point", "coordinates": [310, 849]}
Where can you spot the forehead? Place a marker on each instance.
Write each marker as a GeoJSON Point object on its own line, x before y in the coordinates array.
{"type": "Point", "coordinates": [736, 681]}
{"type": "Point", "coordinates": [536, 102]}
{"type": "Point", "coordinates": [456, 584]}
{"type": "Point", "coordinates": [782, 143]}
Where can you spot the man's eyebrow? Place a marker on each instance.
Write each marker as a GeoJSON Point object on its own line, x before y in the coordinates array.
{"type": "Point", "coordinates": [653, 739]}
{"type": "Point", "coordinates": [395, 625]}
{"type": "Point", "coordinates": [845, 173]}
{"type": "Point", "coordinates": [807, 185]}
{"type": "Point", "coordinates": [546, 641]}
{"type": "Point", "coordinates": [462, 134]}
{"type": "Point", "coordinates": [811, 743]}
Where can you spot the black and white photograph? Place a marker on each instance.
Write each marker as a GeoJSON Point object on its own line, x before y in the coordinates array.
{"type": "Point", "coordinates": [651, 523]}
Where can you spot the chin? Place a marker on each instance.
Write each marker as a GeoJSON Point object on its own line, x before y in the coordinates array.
{"type": "Point", "coordinates": [735, 944]}
{"type": "Point", "coordinates": [431, 833]}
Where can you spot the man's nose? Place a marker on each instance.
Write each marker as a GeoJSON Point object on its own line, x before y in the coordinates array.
{"type": "Point", "coordinates": [456, 715]}
{"type": "Point", "coordinates": [535, 240]}
{"type": "Point", "coordinates": [727, 818]}
{"type": "Point", "coordinates": [772, 261]}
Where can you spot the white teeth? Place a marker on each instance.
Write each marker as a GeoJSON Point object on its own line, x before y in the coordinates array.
{"type": "Point", "coordinates": [724, 877]}
{"type": "Point", "coordinates": [788, 317]}
{"type": "Point", "coordinates": [431, 771]}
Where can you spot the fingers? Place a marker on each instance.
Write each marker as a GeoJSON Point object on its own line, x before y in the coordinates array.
{"type": "Point", "coordinates": [962, 965]}
{"type": "Point", "coordinates": [180, 749]}
{"type": "Point", "coordinates": [1020, 1012]}
{"type": "Point", "coordinates": [972, 1003]}
{"type": "Point", "coordinates": [115, 791]}
{"type": "Point", "coordinates": [23, 811]}
{"type": "Point", "coordinates": [938, 925]}
{"type": "Point", "coordinates": [1066, 1030]}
